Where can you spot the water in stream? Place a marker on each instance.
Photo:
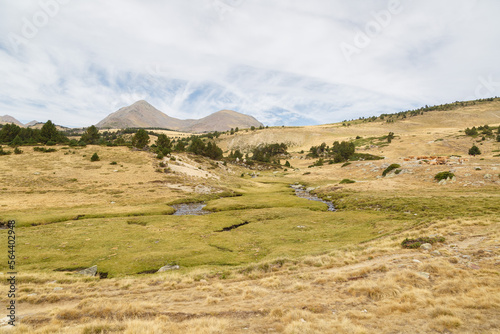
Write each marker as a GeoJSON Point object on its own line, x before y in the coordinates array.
{"type": "Point", "coordinates": [302, 192]}
{"type": "Point", "coordinates": [190, 209]}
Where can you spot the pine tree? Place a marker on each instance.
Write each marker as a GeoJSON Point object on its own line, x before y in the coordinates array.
{"type": "Point", "coordinates": [91, 135]}
{"type": "Point", "coordinates": [140, 139]}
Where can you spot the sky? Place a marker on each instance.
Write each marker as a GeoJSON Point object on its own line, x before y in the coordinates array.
{"type": "Point", "coordinates": [285, 62]}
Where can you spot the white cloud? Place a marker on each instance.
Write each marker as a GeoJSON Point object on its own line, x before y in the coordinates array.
{"type": "Point", "coordinates": [279, 61]}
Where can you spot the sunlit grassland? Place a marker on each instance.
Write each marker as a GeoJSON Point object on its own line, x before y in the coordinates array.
{"type": "Point", "coordinates": [286, 226]}
{"type": "Point", "coordinates": [429, 204]}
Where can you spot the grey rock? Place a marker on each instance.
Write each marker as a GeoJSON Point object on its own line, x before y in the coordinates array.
{"type": "Point", "coordinates": [168, 267]}
{"type": "Point", "coordinates": [92, 271]}
{"type": "Point", "coordinates": [487, 176]}
{"type": "Point", "coordinates": [424, 274]}
{"type": "Point", "coordinates": [442, 182]}
{"type": "Point", "coordinates": [57, 288]}
{"type": "Point", "coordinates": [436, 253]}
{"type": "Point", "coordinates": [426, 247]}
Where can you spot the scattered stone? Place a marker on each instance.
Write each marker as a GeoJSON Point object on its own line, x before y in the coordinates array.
{"type": "Point", "coordinates": [442, 182]}
{"type": "Point", "coordinates": [32, 294]}
{"type": "Point", "coordinates": [467, 257]}
{"type": "Point", "coordinates": [467, 174]}
{"type": "Point", "coordinates": [168, 267]}
{"type": "Point", "coordinates": [455, 233]}
{"type": "Point", "coordinates": [58, 288]}
{"type": "Point", "coordinates": [424, 274]}
{"type": "Point", "coordinates": [473, 266]}
{"type": "Point", "coordinates": [436, 253]}
{"type": "Point", "coordinates": [416, 261]}
{"type": "Point", "coordinates": [36, 173]}
{"type": "Point", "coordinates": [487, 176]}
{"type": "Point", "coordinates": [204, 281]}
{"type": "Point", "coordinates": [112, 202]}
{"type": "Point", "coordinates": [453, 245]}
{"type": "Point", "coordinates": [92, 271]}
{"type": "Point", "coordinates": [426, 246]}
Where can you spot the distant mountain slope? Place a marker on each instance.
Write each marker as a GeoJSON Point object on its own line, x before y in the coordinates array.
{"type": "Point", "coordinates": [141, 114]}
{"type": "Point", "coordinates": [9, 119]}
{"type": "Point", "coordinates": [31, 123]}
{"type": "Point", "coordinates": [224, 120]}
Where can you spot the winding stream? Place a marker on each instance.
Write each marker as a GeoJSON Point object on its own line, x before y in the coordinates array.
{"type": "Point", "coordinates": [302, 192]}
{"type": "Point", "coordinates": [190, 209]}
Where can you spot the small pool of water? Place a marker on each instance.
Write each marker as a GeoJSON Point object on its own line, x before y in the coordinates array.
{"type": "Point", "coordinates": [301, 191]}
{"type": "Point", "coordinates": [190, 209]}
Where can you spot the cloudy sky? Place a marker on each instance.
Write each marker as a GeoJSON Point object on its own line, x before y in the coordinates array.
{"type": "Point", "coordinates": [285, 62]}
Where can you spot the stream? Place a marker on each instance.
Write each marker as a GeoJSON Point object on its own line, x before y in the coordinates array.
{"type": "Point", "coordinates": [190, 209]}
{"type": "Point", "coordinates": [302, 192]}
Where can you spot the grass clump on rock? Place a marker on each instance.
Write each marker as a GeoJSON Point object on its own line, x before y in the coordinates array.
{"type": "Point", "coordinates": [416, 243]}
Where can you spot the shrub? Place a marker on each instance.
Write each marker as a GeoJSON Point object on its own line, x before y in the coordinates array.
{"type": "Point", "coordinates": [94, 157]}
{"type": "Point", "coordinates": [474, 150]}
{"type": "Point", "coordinates": [17, 151]}
{"type": "Point", "coordinates": [345, 164]}
{"type": "Point", "coordinates": [390, 168]}
{"type": "Point", "coordinates": [43, 149]}
{"type": "Point", "coordinates": [443, 176]}
{"type": "Point", "coordinates": [318, 163]}
{"type": "Point", "coordinates": [2, 152]}
{"type": "Point", "coordinates": [113, 163]}
{"type": "Point", "coordinates": [345, 181]}
{"type": "Point", "coordinates": [416, 243]}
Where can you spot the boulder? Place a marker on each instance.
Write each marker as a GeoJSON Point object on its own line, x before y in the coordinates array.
{"type": "Point", "coordinates": [426, 247]}
{"type": "Point", "coordinates": [168, 267]}
{"type": "Point", "coordinates": [436, 253]}
{"type": "Point", "coordinates": [92, 271]}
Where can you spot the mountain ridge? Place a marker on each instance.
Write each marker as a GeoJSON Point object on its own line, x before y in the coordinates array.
{"type": "Point", "coordinates": [141, 114]}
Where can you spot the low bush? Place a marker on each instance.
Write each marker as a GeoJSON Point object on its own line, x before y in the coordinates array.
{"type": "Point", "coordinates": [43, 149]}
{"type": "Point", "coordinates": [345, 181]}
{"type": "Point", "coordinates": [443, 176]}
{"type": "Point", "coordinates": [94, 157]}
{"type": "Point", "coordinates": [390, 169]}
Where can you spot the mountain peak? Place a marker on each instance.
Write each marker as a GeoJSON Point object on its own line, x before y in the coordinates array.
{"type": "Point", "coordinates": [5, 119]}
